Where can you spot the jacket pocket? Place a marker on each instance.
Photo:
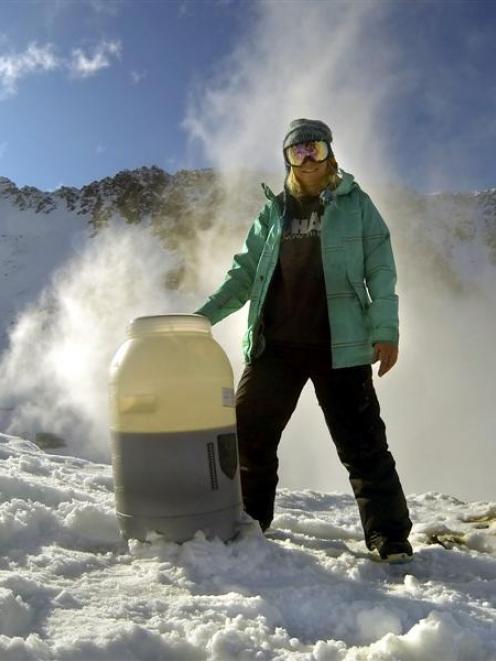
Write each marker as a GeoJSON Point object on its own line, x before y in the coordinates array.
{"type": "Point", "coordinates": [360, 292]}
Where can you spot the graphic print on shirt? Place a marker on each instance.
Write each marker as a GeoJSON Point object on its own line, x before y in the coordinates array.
{"type": "Point", "coordinates": [303, 228]}
{"type": "Point", "coordinates": [295, 309]}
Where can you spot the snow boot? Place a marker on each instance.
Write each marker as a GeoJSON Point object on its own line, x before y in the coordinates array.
{"type": "Point", "coordinates": [387, 550]}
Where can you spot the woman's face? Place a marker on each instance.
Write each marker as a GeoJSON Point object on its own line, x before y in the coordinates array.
{"type": "Point", "coordinates": [310, 173]}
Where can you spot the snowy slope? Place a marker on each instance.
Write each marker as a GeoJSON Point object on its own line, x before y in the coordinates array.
{"type": "Point", "coordinates": [40, 231]}
{"type": "Point", "coordinates": [34, 241]}
{"type": "Point", "coordinates": [450, 237]}
{"type": "Point", "coordinates": [71, 590]}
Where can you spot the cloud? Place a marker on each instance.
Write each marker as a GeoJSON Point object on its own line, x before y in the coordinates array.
{"type": "Point", "coordinates": [184, 9]}
{"type": "Point", "coordinates": [278, 72]}
{"type": "Point", "coordinates": [3, 148]}
{"type": "Point", "coordinates": [100, 149]}
{"type": "Point", "coordinates": [97, 10]}
{"type": "Point", "coordinates": [56, 187]}
{"type": "Point", "coordinates": [106, 7]}
{"type": "Point", "coordinates": [137, 76]}
{"type": "Point", "coordinates": [347, 64]}
{"type": "Point", "coordinates": [71, 334]}
{"type": "Point", "coordinates": [83, 65]}
{"type": "Point", "coordinates": [53, 10]}
{"type": "Point", "coordinates": [35, 59]}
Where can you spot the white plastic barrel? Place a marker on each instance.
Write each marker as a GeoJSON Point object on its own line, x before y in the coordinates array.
{"type": "Point", "coordinates": [173, 429]}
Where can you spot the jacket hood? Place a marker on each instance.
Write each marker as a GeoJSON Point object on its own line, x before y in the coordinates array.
{"type": "Point", "coordinates": [346, 184]}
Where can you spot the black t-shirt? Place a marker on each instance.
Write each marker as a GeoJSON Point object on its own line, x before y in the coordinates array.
{"type": "Point", "coordinates": [295, 310]}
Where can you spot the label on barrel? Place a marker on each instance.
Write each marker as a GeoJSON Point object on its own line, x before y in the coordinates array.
{"type": "Point", "coordinates": [227, 397]}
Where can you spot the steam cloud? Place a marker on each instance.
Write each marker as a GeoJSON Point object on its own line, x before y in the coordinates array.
{"type": "Point", "coordinates": [55, 374]}
{"type": "Point", "coordinates": [333, 61]}
{"type": "Point", "coordinates": [343, 63]}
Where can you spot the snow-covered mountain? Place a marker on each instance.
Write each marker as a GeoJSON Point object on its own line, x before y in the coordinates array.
{"type": "Point", "coordinates": [40, 231]}
{"type": "Point", "coordinates": [454, 233]}
{"type": "Point", "coordinates": [72, 590]}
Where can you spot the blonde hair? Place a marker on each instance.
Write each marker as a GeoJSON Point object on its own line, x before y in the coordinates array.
{"type": "Point", "coordinates": [329, 178]}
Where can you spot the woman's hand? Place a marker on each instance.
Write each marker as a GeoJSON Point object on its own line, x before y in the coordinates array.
{"type": "Point", "coordinates": [387, 353]}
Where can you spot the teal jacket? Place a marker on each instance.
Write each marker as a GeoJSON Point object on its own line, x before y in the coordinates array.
{"type": "Point", "coordinates": [359, 273]}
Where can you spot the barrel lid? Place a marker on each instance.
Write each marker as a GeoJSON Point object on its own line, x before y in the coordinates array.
{"type": "Point", "coordinates": [169, 323]}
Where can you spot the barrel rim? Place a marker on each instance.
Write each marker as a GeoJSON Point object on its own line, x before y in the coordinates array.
{"type": "Point", "coordinates": [168, 323]}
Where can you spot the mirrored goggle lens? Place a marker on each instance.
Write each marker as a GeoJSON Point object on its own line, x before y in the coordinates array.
{"type": "Point", "coordinates": [318, 151]}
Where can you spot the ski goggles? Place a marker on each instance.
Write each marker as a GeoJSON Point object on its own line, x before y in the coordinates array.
{"type": "Point", "coordinates": [317, 150]}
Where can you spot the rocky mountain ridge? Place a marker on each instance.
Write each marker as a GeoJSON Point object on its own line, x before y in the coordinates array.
{"type": "Point", "coordinates": [444, 227]}
{"type": "Point", "coordinates": [131, 194]}
{"type": "Point", "coordinates": [151, 191]}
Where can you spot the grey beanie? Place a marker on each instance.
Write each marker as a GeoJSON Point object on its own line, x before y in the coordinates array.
{"type": "Point", "coordinates": [305, 130]}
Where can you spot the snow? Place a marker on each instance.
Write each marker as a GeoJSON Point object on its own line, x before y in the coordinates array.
{"type": "Point", "coordinates": [71, 588]}
{"type": "Point", "coordinates": [32, 246]}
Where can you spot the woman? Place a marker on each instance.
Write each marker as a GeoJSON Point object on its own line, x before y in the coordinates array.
{"type": "Point", "coordinates": [310, 261]}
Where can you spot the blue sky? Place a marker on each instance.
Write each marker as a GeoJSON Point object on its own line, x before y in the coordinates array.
{"type": "Point", "coordinates": [73, 123]}
{"type": "Point", "coordinates": [90, 87]}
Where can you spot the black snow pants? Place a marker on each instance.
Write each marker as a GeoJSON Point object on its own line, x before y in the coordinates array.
{"type": "Point", "coordinates": [266, 397]}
